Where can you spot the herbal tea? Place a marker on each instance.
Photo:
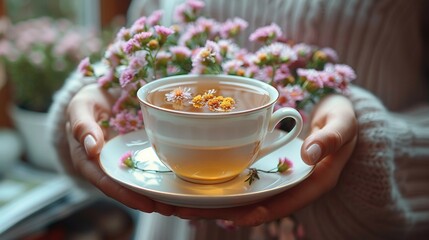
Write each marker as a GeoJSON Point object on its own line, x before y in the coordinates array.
{"type": "Point", "coordinates": [208, 97]}
{"type": "Point", "coordinates": [206, 164]}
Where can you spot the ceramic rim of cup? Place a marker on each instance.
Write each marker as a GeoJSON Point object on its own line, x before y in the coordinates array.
{"type": "Point", "coordinates": [148, 87]}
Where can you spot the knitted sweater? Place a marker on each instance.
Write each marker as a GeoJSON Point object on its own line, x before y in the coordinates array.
{"type": "Point", "coordinates": [382, 192]}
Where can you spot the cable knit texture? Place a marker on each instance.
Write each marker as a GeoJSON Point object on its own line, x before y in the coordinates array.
{"type": "Point", "coordinates": [58, 115]}
{"type": "Point", "coordinates": [383, 192]}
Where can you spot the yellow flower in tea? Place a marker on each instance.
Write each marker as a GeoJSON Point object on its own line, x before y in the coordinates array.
{"type": "Point", "coordinates": [227, 104]}
{"type": "Point", "coordinates": [221, 104]}
{"type": "Point", "coordinates": [178, 95]}
{"type": "Point", "coordinates": [214, 103]}
{"type": "Point", "coordinates": [198, 101]}
{"type": "Point", "coordinates": [209, 95]}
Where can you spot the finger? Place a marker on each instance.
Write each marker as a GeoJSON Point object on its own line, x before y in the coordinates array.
{"type": "Point", "coordinates": [85, 111]}
{"type": "Point", "coordinates": [323, 179]}
{"type": "Point", "coordinates": [93, 173]}
{"type": "Point", "coordinates": [329, 134]}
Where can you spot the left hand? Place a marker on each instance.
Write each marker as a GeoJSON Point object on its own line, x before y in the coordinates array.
{"type": "Point", "coordinates": [329, 146]}
{"type": "Point", "coordinates": [85, 110]}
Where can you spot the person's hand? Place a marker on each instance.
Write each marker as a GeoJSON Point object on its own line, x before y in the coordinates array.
{"type": "Point", "coordinates": [86, 139]}
{"type": "Point", "coordinates": [329, 146]}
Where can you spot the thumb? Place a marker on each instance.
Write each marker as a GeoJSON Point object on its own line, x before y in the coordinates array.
{"type": "Point", "coordinates": [93, 140]}
{"type": "Point", "coordinates": [85, 127]}
{"type": "Point", "coordinates": [327, 140]}
{"type": "Point", "coordinates": [88, 132]}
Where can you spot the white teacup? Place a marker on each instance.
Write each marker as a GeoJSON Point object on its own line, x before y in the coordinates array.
{"type": "Point", "coordinates": [213, 147]}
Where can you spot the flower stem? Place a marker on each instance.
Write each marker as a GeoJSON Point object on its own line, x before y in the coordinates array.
{"type": "Point", "coordinates": [152, 170]}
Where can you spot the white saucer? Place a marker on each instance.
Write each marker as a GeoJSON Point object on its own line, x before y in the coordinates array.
{"type": "Point", "coordinates": [167, 188]}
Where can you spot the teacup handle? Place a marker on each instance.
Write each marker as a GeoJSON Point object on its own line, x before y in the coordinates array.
{"type": "Point", "coordinates": [276, 117]}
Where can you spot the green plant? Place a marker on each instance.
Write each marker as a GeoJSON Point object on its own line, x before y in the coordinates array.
{"type": "Point", "coordinates": [40, 53]}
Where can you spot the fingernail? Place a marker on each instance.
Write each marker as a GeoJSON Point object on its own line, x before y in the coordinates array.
{"type": "Point", "coordinates": [89, 143]}
{"type": "Point", "coordinates": [314, 152]}
{"type": "Point", "coordinates": [226, 224]}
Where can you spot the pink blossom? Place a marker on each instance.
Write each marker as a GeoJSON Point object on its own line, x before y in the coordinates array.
{"type": "Point", "coordinates": [331, 79]}
{"type": "Point", "coordinates": [36, 58]}
{"type": "Point", "coordinates": [207, 55]}
{"type": "Point", "coordinates": [232, 27]}
{"type": "Point", "coordinates": [195, 5]}
{"type": "Point", "coordinates": [138, 60]}
{"type": "Point", "coordinates": [345, 71]}
{"type": "Point", "coordinates": [207, 25]}
{"type": "Point", "coordinates": [228, 48]}
{"type": "Point", "coordinates": [127, 76]}
{"type": "Point", "coordinates": [331, 54]}
{"type": "Point", "coordinates": [172, 70]}
{"type": "Point", "coordinates": [163, 57]}
{"type": "Point", "coordinates": [284, 165]}
{"type": "Point", "coordinates": [106, 80]}
{"type": "Point", "coordinates": [70, 44]}
{"type": "Point", "coordinates": [131, 46]}
{"type": "Point", "coordinates": [142, 37]}
{"type": "Point", "coordinates": [8, 51]}
{"type": "Point", "coordinates": [155, 17]}
{"type": "Point", "coordinates": [278, 53]}
{"type": "Point", "coordinates": [303, 51]}
{"type": "Point", "coordinates": [119, 123]}
{"type": "Point", "coordinates": [163, 31]}
{"type": "Point", "coordinates": [252, 70]}
{"type": "Point", "coordinates": [85, 67]}
{"type": "Point", "coordinates": [179, 13]}
{"type": "Point", "coordinates": [264, 74]}
{"type": "Point", "coordinates": [113, 53]}
{"type": "Point", "coordinates": [126, 121]}
{"type": "Point", "coordinates": [188, 10]}
{"type": "Point", "coordinates": [189, 34]}
{"type": "Point", "coordinates": [139, 25]}
{"type": "Point", "coordinates": [282, 74]}
{"type": "Point", "coordinates": [180, 52]}
{"type": "Point", "coordinates": [121, 103]}
{"type": "Point", "coordinates": [311, 75]}
{"type": "Point", "coordinates": [207, 59]}
{"type": "Point", "coordinates": [290, 95]}
{"type": "Point", "coordinates": [124, 34]}
{"type": "Point", "coordinates": [232, 66]}
{"type": "Point", "coordinates": [267, 33]}
{"type": "Point", "coordinates": [213, 47]}
{"type": "Point", "coordinates": [126, 160]}
{"type": "Point", "coordinates": [338, 76]}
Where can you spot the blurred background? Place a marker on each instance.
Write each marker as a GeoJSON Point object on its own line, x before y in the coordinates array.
{"type": "Point", "coordinates": [41, 43]}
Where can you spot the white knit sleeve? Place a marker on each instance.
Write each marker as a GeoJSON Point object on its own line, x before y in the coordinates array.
{"type": "Point", "coordinates": [57, 116]}
{"type": "Point", "coordinates": [382, 192]}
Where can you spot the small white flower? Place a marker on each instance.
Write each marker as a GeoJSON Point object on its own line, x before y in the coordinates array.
{"type": "Point", "coordinates": [211, 91]}
{"type": "Point", "coordinates": [178, 95]}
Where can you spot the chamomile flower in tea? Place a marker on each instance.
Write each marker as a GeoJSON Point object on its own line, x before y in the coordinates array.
{"type": "Point", "coordinates": [179, 94]}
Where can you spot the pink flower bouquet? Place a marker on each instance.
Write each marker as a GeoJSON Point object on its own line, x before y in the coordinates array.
{"type": "Point", "coordinates": [147, 51]}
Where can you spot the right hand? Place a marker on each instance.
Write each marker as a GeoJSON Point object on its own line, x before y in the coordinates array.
{"type": "Point", "coordinates": [86, 139]}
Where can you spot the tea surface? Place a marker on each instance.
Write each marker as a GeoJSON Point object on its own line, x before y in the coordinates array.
{"type": "Point", "coordinates": [208, 97]}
